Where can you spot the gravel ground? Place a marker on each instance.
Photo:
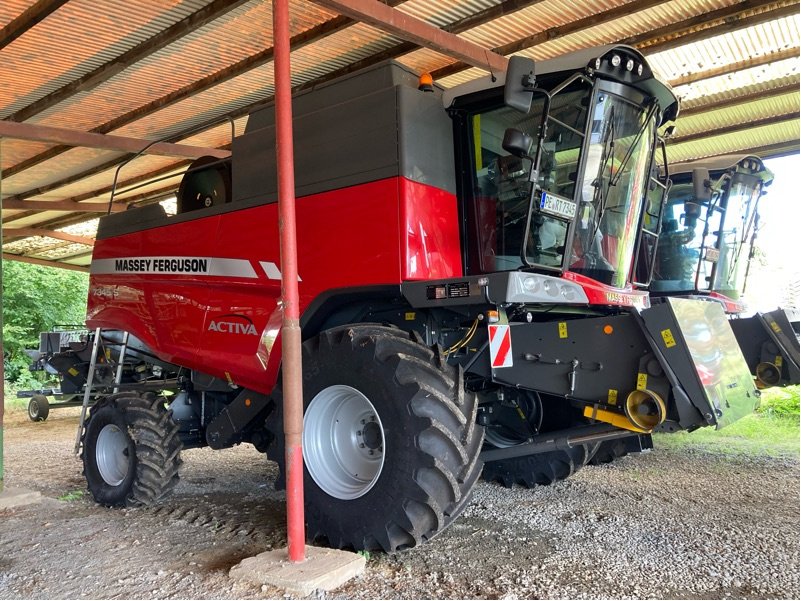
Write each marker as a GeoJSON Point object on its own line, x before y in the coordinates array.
{"type": "Point", "coordinates": [666, 524]}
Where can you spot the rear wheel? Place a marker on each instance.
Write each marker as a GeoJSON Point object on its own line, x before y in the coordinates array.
{"type": "Point", "coordinates": [131, 450]}
{"type": "Point", "coordinates": [38, 408]}
{"type": "Point", "coordinates": [390, 439]}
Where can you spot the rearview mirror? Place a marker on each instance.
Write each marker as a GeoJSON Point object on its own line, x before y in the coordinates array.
{"type": "Point", "coordinates": [702, 186]}
{"type": "Point", "coordinates": [517, 143]}
{"type": "Point", "coordinates": [520, 81]}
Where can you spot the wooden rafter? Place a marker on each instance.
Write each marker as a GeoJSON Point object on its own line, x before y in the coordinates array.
{"type": "Point", "coordinates": [758, 61]}
{"type": "Point", "coordinates": [418, 32]}
{"type": "Point", "coordinates": [43, 262]}
{"type": "Point", "coordinates": [108, 70]}
{"type": "Point", "coordinates": [263, 57]}
{"type": "Point", "coordinates": [27, 19]}
{"type": "Point", "coordinates": [61, 205]}
{"type": "Point", "coordinates": [741, 15]}
{"type": "Point", "coordinates": [705, 107]}
{"type": "Point", "coordinates": [738, 127]}
{"type": "Point", "coordinates": [27, 232]}
{"type": "Point", "coordinates": [70, 137]}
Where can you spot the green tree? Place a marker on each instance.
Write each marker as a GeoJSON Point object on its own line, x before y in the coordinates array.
{"type": "Point", "coordinates": [34, 300]}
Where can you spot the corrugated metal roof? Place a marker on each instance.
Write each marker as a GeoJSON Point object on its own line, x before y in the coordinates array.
{"type": "Point", "coordinates": [224, 66]}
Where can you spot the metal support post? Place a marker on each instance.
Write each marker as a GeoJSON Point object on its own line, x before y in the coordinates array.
{"type": "Point", "coordinates": [291, 369]}
{"type": "Point", "coordinates": [123, 350]}
{"type": "Point", "coordinates": [89, 381]}
{"type": "Point", "coordinates": [2, 354]}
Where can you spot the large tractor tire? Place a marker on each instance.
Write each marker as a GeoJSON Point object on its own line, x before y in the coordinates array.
{"type": "Point", "coordinates": [38, 408]}
{"type": "Point", "coordinates": [536, 470]}
{"type": "Point", "coordinates": [541, 468]}
{"type": "Point", "coordinates": [131, 450]}
{"type": "Point", "coordinates": [612, 450]}
{"type": "Point", "coordinates": [390, 439]}
{"type": "Point", "coordinates": [609, 451]}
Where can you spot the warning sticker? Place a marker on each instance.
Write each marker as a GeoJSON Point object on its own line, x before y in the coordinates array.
{"type": "Point", "coordinates": [642, 381]}
{"type": "Point", "coordinates": [500, 346]}
{"type": "Point", "coordinates": [562, 329]}
{"type": "Point", "coordinates": [667, 336]}
{"type": "Point", "coordinates": [611, 396]}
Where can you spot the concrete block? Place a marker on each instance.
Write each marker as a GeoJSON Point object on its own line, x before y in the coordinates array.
{"type": "Point", "coordinates": [324, 569]}
{"type": "Point", "coordinates": [15, 497]}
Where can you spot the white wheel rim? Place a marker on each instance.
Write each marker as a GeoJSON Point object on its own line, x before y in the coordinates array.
{"type": "Point", "coordinates": [343, 442]}
{"type": "Point", "coordinates": [111, 454]}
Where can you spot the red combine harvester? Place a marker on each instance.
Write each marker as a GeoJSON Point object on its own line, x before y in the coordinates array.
{"type": "Point", "coordinates": [706, 248]}
{"type": "Point", "coordinates": [466, 266]}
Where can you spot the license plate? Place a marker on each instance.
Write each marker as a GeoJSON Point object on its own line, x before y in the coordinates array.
{"type": "Point", "coordinates": [557, 206]}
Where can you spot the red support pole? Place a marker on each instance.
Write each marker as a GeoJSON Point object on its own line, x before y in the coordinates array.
{"type": "Point", "coordinates": [291, 370]}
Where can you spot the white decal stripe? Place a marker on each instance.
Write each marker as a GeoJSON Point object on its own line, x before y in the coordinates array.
{"type": "Point", "coordinates": [206, 266]}
{"type": "Point", "coordinates": [272, 271]}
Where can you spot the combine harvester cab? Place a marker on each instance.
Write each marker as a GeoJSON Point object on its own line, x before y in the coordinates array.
{"type": "Point", "coordinates": [706, 247]}
{"type": "Point", "coordinates": [465, 263]}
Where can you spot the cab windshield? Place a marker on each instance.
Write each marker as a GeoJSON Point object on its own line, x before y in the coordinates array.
{"type": "Point", "coordinates": [603, 197]}
{"type": "Point", "coordinates": [614, 185]}
{"type": "Point", "coordinates": [706, 246]}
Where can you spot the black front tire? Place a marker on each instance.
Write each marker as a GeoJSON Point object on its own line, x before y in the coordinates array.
{"type": "Point", "coordinates": [131, 450]}
{"type": "Point", "coordinates": [38, 408]}
{"type": "Point", "coordinates": [536, 470]}
{"type": "Point", "coordinates": [428, 439]}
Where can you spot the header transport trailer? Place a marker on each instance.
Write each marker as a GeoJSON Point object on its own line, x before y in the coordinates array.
{"type": "Point", "coordinates": [466, 261]}
{"type": "Point", "coordinates": [706, 251]}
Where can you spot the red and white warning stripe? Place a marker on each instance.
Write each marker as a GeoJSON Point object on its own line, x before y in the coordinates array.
{"type": "Point", "coordinates": [500, 346]}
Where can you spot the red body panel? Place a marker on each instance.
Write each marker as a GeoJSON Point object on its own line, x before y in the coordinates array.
{"type": "Point", "coordinates": [224, 317]}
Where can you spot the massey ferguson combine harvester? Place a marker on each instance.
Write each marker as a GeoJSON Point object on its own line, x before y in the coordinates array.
{"type": "Point", "coordinates": [465, 264]}
{"type": "Point", "coordinates": [706, 247]}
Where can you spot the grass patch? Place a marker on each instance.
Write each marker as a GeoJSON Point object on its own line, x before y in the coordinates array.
{"type": "Point", "coordinates": [10, 397]}
{"type": "Point", "coordinates": [75, 495]}
{"type": "Point", "coordinates": [753, 436]}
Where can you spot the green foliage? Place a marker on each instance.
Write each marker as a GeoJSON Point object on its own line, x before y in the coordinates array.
{"type": "Point", "coordinates": [75, 495]}
{"type": "Point", "coordinates": [756, 435]}
{"type": "Point", "coordinates": [780, 402]}
{"type": "Point", "coordinates": [35, 299]}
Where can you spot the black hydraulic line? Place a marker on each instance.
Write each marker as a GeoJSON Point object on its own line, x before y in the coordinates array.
{"type": "Point", "coordinates": [561, 439]}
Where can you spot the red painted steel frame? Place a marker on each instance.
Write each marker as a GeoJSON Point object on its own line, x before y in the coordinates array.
{"type": "Point", "coordinates": [290, 330]}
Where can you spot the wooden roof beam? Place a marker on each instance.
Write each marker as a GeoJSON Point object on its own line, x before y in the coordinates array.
{"type": "Point", "coordinates": [720, 131]}
{"type": "Point", "coordinates": [27, 19]}
{"type": "Point", "coordinates": [70, 137]}
{"type": "Point", "coordinates": [260, 58]}
{"type": "Point", "coordinates": [738, 100]}
{"type": "Point", "coordinates": [61, 205]}
{"type": "Point", "coordinates": [759, 61]}
{"type": "Point", "coordinates": [28, 232]}
{"type": "Point", "coordinates": [108, 70]}
{"type": "Point", "coordinates": [741, 15]}
{"type": "Point", "coordinates": [418, 32]}
{"type": "Point", "coordinates": [43, 262]}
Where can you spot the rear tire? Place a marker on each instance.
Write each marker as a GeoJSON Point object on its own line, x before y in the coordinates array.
{"type": "Point", "coordinates": [131, 450]}
{"type": "Point", "coordinates": [38, 408]}
{"type": "Point", "coordinates": [609, 451]}
{"type": "Point", "coordinates": [373, 388]}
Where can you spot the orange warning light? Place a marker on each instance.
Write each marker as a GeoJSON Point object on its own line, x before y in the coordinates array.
{"type": "Point", "coordinates": [247, 402]}
{"type": "Point", "coordinates": [608, 329]}
{"type": "Point", "coordinates": [425, 83]}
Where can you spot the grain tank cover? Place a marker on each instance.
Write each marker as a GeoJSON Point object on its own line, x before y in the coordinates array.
{"type": "Point", "coordinates": [372, 125]}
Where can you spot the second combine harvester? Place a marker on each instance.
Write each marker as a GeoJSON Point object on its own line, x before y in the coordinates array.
{"type": "Point", "coordinates": [467, 264]}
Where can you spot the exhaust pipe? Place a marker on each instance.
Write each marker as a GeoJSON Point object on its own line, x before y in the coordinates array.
{"type": "Point", "coordinates": [767, 374]}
